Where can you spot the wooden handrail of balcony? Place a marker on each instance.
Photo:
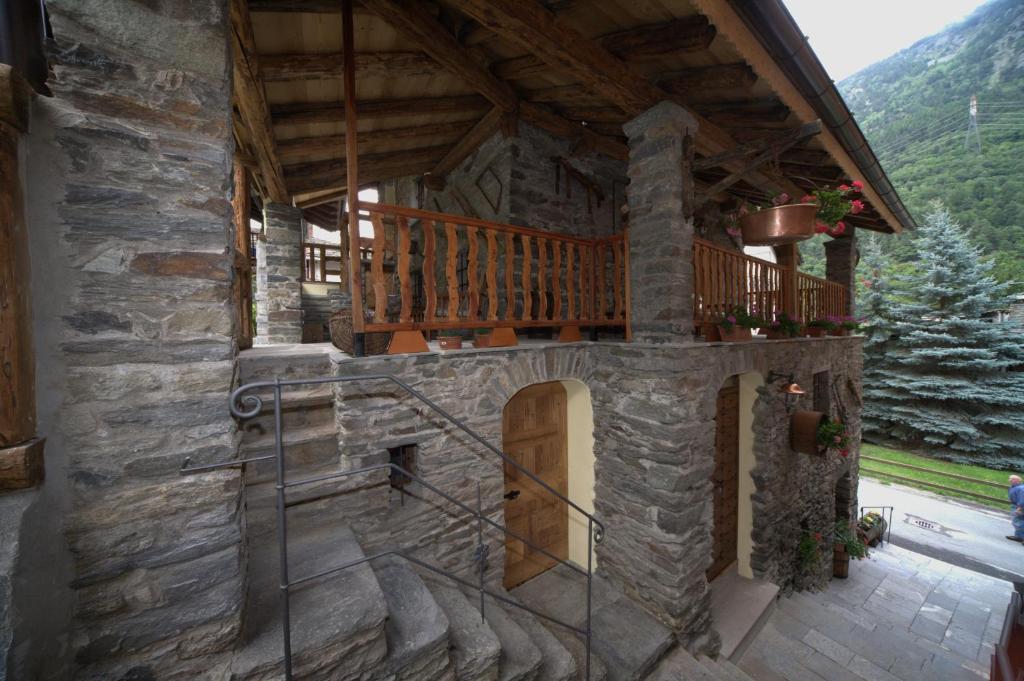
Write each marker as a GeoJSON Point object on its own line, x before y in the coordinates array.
{"type": "Point", "coordinates": [725, 279]}
{"type": "Point", "coordinates": [481, 274]}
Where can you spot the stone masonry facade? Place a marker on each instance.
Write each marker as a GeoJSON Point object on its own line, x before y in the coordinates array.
{"type": "Point", "coordinates": [653, 408]}
{"type": "Point", "coordinates": [279, 312]}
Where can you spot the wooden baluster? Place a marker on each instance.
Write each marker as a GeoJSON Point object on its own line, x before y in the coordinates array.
{"type": "Point", "coordinates": [542, 284]}
{"type": "Point", "coordinates": [527, 284]}
{"type": "Point", "coordinates": [586, 311]}
{"type": "Point", "coordinates": [404, 278]}
{"type": "Point", "coordinates": [380, 292]}
{"type": "Point", "coordinates": [556, 278]}
{"type": "Point", "coordinates": [471, 274]}
{"type": "Point", "coordinates": [601, 307]}
{"type": "Point", "coordinates": [451, 270]}
{"type": "Point", "coordinates": [492, 275]}
{"type": "Point", "coordinates": [510, 279]}
{"type": "Point", "coordinates": [429, 275]}
{"type": "Point", "coordinates": [570, 283]}
{"type": "Point", "coordinates": [323, 263]}
{"type": "Point", "coordinates": [617, 254]}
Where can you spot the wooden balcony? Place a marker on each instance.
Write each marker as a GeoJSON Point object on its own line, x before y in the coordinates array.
{"type": "Point", "coordinates": [466, 273]}
{"type": "Point", "coordinates": [725, 279]}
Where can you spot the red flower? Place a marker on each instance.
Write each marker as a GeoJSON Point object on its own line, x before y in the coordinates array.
{"type": "Point", "coordinates": [856, 206]}
{"type": "Point", "coordinates": [844, 187]}
{"type": "Point", "coordinates": [817, 536]}
{"type": "Point", "coordinates": [820, 228]}
{"type": "Point", "coordinates": [781, 199]}
{"type": "Point", "coordinates": [858, 185]}
{"type": "Point", "coordinates": [808, 198]}
{"type": "Point", "coordinates": [844, 453]}
{"type": "Point", "coordinates": [838, 229]}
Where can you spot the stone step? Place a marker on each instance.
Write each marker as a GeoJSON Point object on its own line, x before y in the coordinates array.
{"type": "Point", "coordinates": [288, 361]}
{"type": "Point", "coordinates": [474, 648]}
{"type": "Point", "coordinates": [578, 650]}
{"type": "Point", "coordinates": [725, 669]}
{"type": "Point", "coordinates": [679, 665]}
{"type": "Point", "coordinates": [417, 629]}
{"type": "Point", "coordinates": [337, 622]}
{"type": "Point", "coordinates": [557, 663]}
{"type": "Point", "coordinates": [627, 638]}
{"type": "Point", "coordinates": [520, 658]}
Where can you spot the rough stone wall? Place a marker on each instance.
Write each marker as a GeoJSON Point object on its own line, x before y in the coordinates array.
{"type": "Point", "coordinates": [654, 410]}
{"type": "Point", "coordinates": [841, 257]}
{"type": "Point", "coordinates": [279, 276]}
{"type": "Point", "coordinates": [128, 169]}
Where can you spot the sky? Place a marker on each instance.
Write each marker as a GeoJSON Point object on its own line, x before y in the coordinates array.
{"type": "Point", "coordinates": [847, 40]}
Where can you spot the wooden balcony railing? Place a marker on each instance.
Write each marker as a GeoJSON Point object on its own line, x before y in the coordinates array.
{"type": "Point", "coordinates": [725, 279]}
{"type": "Point", "coordinates": [319, 260]}
{"type": "Point", "coordinates": [479, 274]}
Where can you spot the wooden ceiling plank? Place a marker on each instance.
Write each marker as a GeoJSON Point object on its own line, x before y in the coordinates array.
{"type": "Point", "coordinates": [286, 67]}
{"type": "Point", "coordinates": [369, 141]}
{"type": "Point", "coordinates": [334, 112]}
{"type": "Point", "coordinates": [719, 77]}
{"type": "Point", "coordinates": [252, 104]}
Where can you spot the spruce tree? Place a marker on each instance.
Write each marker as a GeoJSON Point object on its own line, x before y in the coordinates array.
{"type": "Point", "coordinates": [939, 376]}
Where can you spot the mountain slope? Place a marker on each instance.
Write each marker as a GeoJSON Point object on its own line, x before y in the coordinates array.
{"type": "Point", "coordinates": [913, 108]}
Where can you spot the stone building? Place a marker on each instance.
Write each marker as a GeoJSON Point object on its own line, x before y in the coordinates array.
{"type": "Point", "coordinates": [555, 173]}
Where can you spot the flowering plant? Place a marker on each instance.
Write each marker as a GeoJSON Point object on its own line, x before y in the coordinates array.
{"type": "Point", "coordinates": [808, 551]}
{"type": "Point", "coordinates": [826, 323]}
{"type": "Point", "coordinates": [849, 536]}
{"type": "Point", "coordinates": [833, 435]}
{"type": "Point", "coordinates": [786, 325]}
{"type": "Point", "coordinates": [833, 205]}
{"type": "Point", "coordinates": [739, 316]}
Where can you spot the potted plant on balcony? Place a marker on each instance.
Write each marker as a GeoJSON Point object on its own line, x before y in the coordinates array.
{"type": "Point", "coordinates": [482, 338]}
{"type": "Point", "coordinates": [450, 341]}
{"type": "Point", "coordinates": [844, 326]}
{"type": "Point", "coordinates": [784, 326]}
{"type": "Point", "coordinates": [737, 325]}
{"type": "Point", "coordinates": [817, 328]}
{"type": "Point", "coordinates": [820, 211]}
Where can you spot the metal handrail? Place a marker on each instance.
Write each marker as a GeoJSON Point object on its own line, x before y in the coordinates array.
{"type": "Point", "coordinates": [246, 406]}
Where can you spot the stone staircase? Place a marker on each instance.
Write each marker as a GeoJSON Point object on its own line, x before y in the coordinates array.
{"type": "Point", "coordinates": [389, 619]}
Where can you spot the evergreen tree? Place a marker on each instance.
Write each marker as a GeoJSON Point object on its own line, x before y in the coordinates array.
{"type": "Point", "coordinates": [939, 376]}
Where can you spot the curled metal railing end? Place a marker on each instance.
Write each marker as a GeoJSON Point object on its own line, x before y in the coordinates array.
{"type": "Point", "coordinates": [598, 534]}
{"type": "Point", "coordinates": [245, 406]}
{"type": "Point", "coordinates": [184, 465]}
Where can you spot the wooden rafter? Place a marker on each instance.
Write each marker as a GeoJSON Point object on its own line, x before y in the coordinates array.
{"type": "Point", "coordinates": [480, 133]}
{"type": "Point", "coordinates": [533, 27]}
{"type": "Point", "coordinates": [330, 174]}
{"type": "Point", "coordinates": [719, 77]}
{"type": "Point", "coordinates": [284, 67]}
{"type": "Point", "coordinates": [371, 141]}
{"type": "Point", "coordinates": [334, 112]}
{"type": "Point", "coordinates": [252, 104]}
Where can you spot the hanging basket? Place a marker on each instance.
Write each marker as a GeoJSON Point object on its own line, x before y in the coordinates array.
{"type": "Point", "coordinates": [803, 431]}
{"type": "Point", "coordinates": [343, 337]}
{"type": "Point", "coordinates": [779, 225]}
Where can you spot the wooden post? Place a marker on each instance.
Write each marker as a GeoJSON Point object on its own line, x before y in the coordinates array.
{"type": "Point", "coordinates": [788, 257]}
{"type": "Point", "coordinates": [21, 453]}
{"type": "Point", "coordinates": [352, 176]}
{"type": "Point", "coordinates": [243, 269]}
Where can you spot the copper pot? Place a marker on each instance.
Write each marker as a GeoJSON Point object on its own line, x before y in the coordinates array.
{"type": "Point", "coordinates": [803, 431]}
{"type": "Point", "coordinates": [779, 225]}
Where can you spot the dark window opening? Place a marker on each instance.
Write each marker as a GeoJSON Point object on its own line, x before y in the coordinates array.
{"type": "Point", "coordinates": [822, 396]}
{"type": "Point", "coordinates": [403, 456]}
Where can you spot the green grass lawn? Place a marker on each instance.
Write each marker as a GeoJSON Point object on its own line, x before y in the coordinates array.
{"type": "Point", "coordinates": [874, 469]}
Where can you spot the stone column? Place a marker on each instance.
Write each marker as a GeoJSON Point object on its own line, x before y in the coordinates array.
{"type": "Point", "coordinates": [660, 226]}
{"type": "Point", "coordinates": [279, 276]}
{"type": "Point", "coordinates": [841, 256]}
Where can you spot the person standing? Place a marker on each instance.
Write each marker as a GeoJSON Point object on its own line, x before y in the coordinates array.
{"type": "Point", "coordinates": [1016, 495]}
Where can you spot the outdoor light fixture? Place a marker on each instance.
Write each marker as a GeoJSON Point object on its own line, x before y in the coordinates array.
{"type": "Point", "coordinates": [790, 388]}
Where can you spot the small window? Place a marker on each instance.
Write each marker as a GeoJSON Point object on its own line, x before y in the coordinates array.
{"type": "Point", "coordinates": [403, 456]}
{"type": "Point", "coordinates": [822, 392]}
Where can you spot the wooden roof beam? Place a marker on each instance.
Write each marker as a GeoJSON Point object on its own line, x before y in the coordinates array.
{"type": "Point", "coordinates": [334, 112]}
{"type": "Point", "coordinates": [529, 24]}
{"type": "Point", "coordinates": [252, 105]}
{"type": "Point", "coordinates": [330, 174]}
{"type": "Point", "coordinates": [371, 141]}
{"type": "Point", "coordinates": [286, 67]}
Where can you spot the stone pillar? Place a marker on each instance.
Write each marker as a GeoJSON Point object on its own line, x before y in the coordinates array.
{"type": "Point", "coordinates": [841, 256]}
{"type": "Point", "coordinates": [279, 276]}
{"type": "Point", "coordinates": [660, 226]}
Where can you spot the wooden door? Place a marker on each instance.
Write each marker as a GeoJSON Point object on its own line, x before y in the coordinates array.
{"type": "Point", "coordinates": [725, 480]}
{"type": "Point", "coordinates": [535, 436]}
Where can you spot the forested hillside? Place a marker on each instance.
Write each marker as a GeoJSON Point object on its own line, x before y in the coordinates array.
{"type": "Point", "coordinates": [913, 107]}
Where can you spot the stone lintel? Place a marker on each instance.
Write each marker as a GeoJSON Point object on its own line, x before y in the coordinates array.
{"type": "Point", "coordinates": [21, 466]}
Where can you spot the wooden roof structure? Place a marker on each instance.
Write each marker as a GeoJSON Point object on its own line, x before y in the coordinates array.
{"type": "Point", "coordinates": [435, 79]}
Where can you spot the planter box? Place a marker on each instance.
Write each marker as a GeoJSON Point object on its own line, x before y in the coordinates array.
{"type": "Point", "coordinates": [814, 331]}
{"type": "Point", "coordinates": [482, 341]}
{"type": "Point", "coordinates": [735, 334]}
{"type": "Point", "coordinates": [450, 342]}
{"type": "Point", "coordinates": [839, 332]}
{"type": "Point", "coordinates": [803, 431]}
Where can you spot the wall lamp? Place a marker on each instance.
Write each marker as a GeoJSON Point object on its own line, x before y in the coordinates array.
{"type": "Point", "coordinates": [790, 388]}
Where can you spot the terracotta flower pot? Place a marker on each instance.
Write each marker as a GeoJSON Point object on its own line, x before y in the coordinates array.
{"type": "Point", "coordinates": [735, 334]}
{"type": "Point", "coordinates": [450, 342]}
{"type": "Point", "coordinates": [482, 340]}
{"type": "Point", "coordinates": [775, 334]}
{"type": "Point", "coordinates": [709, 331]}
{"type": "Point", "coordinates": [814, 331]}
{"type": "Point", "coordinates": [840, 331]}
{"type": "Point", "coordinates": [803, 431]}
{"type": "Point", "coordinates": [779, 225]}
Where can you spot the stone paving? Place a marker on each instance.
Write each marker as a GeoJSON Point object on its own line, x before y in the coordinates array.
{"type": "Point", "coordinates": [900, 616]}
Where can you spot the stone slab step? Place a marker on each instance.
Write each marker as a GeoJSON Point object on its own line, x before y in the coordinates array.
{"type": "Point", "coordinates": [417, 628]}
{"type": "Point", "coordinates": [337, 622]}
{"type": "Point", "coordinates": [474, 648]}
{"type": "Point", "coordinates": [758, 669]}
{"type": "Point", "coordinates": [739, 609]}
{"type": "Point", "coordinates": [557, 663]}
{"type": "Point", "coordinates": [725, 669]}
{"type": "Point", "coordinates": [578, 650]}
{"type": "Point", "coordinates": [628, 639]}
{"type": "Point", "coordinates": [520, 658]}
{"type": "Point", "coordinates": [679, 665]}
{"type": "Point", "coordinates": [303, 447]}
{"type": "Point", "coordinates": [286, 361]}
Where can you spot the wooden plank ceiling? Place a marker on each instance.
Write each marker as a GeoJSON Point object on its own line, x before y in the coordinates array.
{"type": "Point", "coordinates": [436, 79]}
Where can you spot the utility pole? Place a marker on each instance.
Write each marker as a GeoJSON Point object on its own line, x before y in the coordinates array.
{"type": "Point", "coordinates": [973, 138]}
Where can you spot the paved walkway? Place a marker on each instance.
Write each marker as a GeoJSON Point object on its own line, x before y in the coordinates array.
{"type": "Point", "coordinates": [899, 617]}
{"type": "Point", "coordinates": [953, 531]}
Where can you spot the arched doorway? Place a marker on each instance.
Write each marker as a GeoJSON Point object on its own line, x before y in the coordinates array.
{"type": "Point", "coordinates": [535, 435]}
